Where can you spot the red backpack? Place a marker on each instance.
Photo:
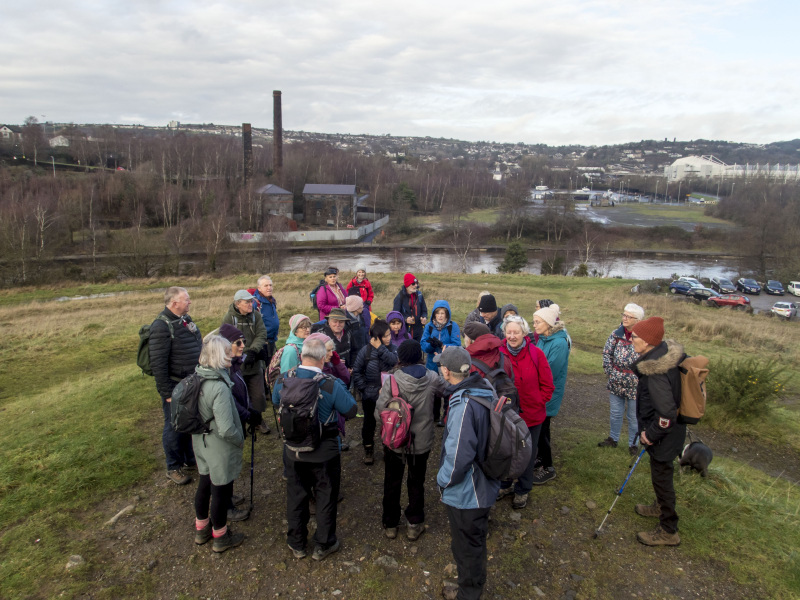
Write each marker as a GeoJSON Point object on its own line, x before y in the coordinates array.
{"type": "Point", "coordinates": [396, 421]}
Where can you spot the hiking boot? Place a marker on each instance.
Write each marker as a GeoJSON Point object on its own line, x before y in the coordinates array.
{"type": "Point", "coordinates": [320, 553]}
{"type": "Point", "coordinates": [390, 532]}
{"type": "Point", "coordinates": [542, 475]}
{"type": "Point", "coordinates": [227, 541]}
{"type": "Point", "coordinates": [369, 455]}
{"type": "Point", "coordinates": [177, 476]}
{"type": "Point", "coordinates": [633, 450]}
{"type": "Point", "coordinates": [608, 443]}
{"type": "Point", "coordinates": [415, 530]}
{"type": "Point", "coordinates": [236, 499]}
{"type": "Point", "coordinates": [264, 428]}
{"type": "Point", "coordinates": [298, 553]}
{"type": "Point", "coordinates": [201, 536]}
{"type": "Point", "coordinates": [238, 514]}
{"type": "Point", "coordinates": [519, 501]}
{"type": "Point", "coordinates": [658, 537]}
{"type": "Point", "coordinates": [648, 510]}
{"type": "Point", "coordinates": [503, 492]}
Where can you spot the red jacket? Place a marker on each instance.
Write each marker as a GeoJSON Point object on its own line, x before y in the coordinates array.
{"type": "Point", "coordinates": [364, 289]}
{"type": "Point", "coordinates": [534, 382]}
{"type": "Point", "coordinates": [487, 349]}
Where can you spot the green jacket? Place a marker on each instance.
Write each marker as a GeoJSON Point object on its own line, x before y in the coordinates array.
{"type": "Point", "coordinates": [219, 453]}
{"type": "Point", "coordinates": [255, 336]}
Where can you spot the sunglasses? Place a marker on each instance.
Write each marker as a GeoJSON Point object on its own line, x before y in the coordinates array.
{"type": "Point", "coordinates": [238, 343]}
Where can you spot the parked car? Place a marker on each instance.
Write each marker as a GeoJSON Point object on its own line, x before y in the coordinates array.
{"type": "Point", "coordinates": [748, 286]}
{"type": "Point", "coordinates": [701, 293]}
{"type": "Point", "coordinates": [680, 287]}
{"type": "Point", "coordinates": [787, 310]}
{"type": "Point", "coordinates": [722, 285]}
{"type": "Point", "coordinates": [734, 300]}
{"type": "Point", "coordinates": [774, 287]}
{"type": "Point", "coordinates": [794, 288]}
{"type": "Point", "coordinates": [691, 281]}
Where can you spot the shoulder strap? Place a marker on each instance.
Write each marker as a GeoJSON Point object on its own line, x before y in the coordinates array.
{"type": "Point", "coordinates": [169, 324]}
{"type": "Point", "coordinates": [482, 365]}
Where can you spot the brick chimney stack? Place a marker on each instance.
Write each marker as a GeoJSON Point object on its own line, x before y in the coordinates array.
{"type": "Point", "coordinates": [277, 134]}
{"type": "Point", "coordinates": [247, 142]}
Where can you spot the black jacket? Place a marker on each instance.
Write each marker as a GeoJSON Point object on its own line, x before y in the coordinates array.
{"type": "Point", "coordinates": [173, 358]}
{"type": "Point", "coordinates": [343, 347]}
{"type": "Point", "coordinates": [369, 365]}
{"type": "Point", "coordinates": [402, 304]}
{"type": "Point", "coordinates": [658, 396]}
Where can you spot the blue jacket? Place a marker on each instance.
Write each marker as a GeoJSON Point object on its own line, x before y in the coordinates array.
{"type": "Point", "coordinates": [556, 349]}
{"type": "Point", "coordinates": [269, 314]}
{"type": "Point", "coordinates": [461, 481]}
{"type": "Point", "coordinates": [450, 334]}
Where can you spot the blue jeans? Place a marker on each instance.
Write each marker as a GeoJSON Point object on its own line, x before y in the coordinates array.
{"type": "Point", "coordinates": [177, 446]}
{"type": "Point", "coordinates": [525, 482]}
{"type": "Point", "coordinates": [617, 412]}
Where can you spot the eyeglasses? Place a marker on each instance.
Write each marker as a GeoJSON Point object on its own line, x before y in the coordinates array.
{"type": "Point", "coordinates": [238, 343]}
{"type": "Point", "coordinates": [304, 326]}
{"type": "Point", "coordinates": [624, 316]}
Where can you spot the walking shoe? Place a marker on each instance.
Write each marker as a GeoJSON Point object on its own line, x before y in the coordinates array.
{"type": "Point", "coordinates": [369, 455]}
{"type": "Point", "coordinates": [320, 553]}
{"type": "Point", "coordinates": [201, 536]}
{"type": "Point", "coordinates": [648, 510]}
{"type": "Point", "coordinates": [658, 537]}
{"type": "Point", "coordinates": [542, 475]}
{"type": "Point", "coordinates": [633, 450]}
{"type": "Point", "coordinates": [238, 514]}
{"type": "Point", "coordinates": [519, 501]}
{"type": "Point", "coordinates": [236, 499]}
{"type": "Point", "coordinates": [415, 530]}
{"type": "Point", "coordinates": [298, 553]}
{"type": "Point", "coordinates": [227, 541]}
{"type": "Point", "coordinates": [390, 532]}
{"type": "Point", "coordinates": [503, 492]}
{"type": "Point", "coordinates": [264, 428]}
{"type": "Point", "coordinates": [608, 442]}
{"type": "Point", "coordinates": [178, 477]}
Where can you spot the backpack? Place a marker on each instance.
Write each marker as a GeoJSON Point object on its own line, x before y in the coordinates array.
{"type": "Point", "coordinates": [396, 421]}
{"type": "Point", "coordinates": [694, 370]}
{"type": "Point", "coordinates": [313, 294]}
{"type": "Point", "coordinates": [298, 413]}
{"type": "Point", "coordinates": [274, 369]}
{"type": "Point", "coordinates": [501, 382]}
{"type": "Point", "coordinates": [509, 448]}
{"type": "Point", "coordinates": [185, 406]}
{"type": "Point", "coordinates": [143, 353]}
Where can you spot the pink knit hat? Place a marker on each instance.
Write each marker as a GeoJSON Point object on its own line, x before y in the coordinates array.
{"type": "Point", "coordinates": [353, 303]}
{"type": "Point", "coordinates": [295, 320]}
{"type": "Point", "coordinates": [319, 336]}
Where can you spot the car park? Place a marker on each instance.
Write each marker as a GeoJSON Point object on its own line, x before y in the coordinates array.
{"type": "Point", "coordinates": [774, 287]}
{"type": "Point", "coordinates": [680, 287]}
{"type": "Point", "coordinates": [722, 285]}
{"type": "Point", "coordinates": [794, 288]}
{"type": "Point", "coordinates": [691, 281]}
{"type": "Point", "coordinates": [748, 286]}
{"type": "Point", "coordinates": [701, 293]}
{"type": "Point", "coordinates": [787, 310]}
{"type": "Point", "coordinates": [734, 300]}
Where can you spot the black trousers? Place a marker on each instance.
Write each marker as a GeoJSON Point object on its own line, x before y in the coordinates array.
{"type": "Point", "coordinates": [468, 529]}
{"type": "Point", "coordinates": [661, 474]}
{"type": "Point", "coordinates": [256, 389]}
{"type": "Point", "coordinates": [393, 487]}
{"type": "Point", "coordinates": [437, 408]}
{"type": "Point", "coordinates": [324, 479]}
{"type": "Point", "coordinates": [220, 497]}
{"type": "Point", "coordinates": [544, 453]}
{"type": "Point", "coordinates": [368, 428]}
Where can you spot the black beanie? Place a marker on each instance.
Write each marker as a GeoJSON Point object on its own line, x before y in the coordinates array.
{"type": "Point", "coordinates": [487, 304]}
{"type": "Point", "coordinates": [409, 352]}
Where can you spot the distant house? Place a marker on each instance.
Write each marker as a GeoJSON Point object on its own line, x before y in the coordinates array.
{"type": "Point", "coordinates": [10, 133]}
{"type": "Point", "coordinates": [330, 205]}
{"type": "Point", "coordinates": [59, 141]}
{"type": "Point", "coordinates": [276, 200]}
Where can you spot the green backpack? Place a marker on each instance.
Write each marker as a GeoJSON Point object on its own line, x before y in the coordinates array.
{"type": "Point", "coordinates": [143, 354]}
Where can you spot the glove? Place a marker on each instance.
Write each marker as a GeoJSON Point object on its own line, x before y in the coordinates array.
{"type": "Point", "coordinates": [436, 344]}
{"type": "Point", "coordinates": [255, 419]}
{"type": "Point", "coordinates": [250, 358]}
{"type": "Point", "coordinates": [335, 358]}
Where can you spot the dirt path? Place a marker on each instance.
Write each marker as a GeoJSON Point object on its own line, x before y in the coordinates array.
{"type": "Point", "coordinates": [543, 551]}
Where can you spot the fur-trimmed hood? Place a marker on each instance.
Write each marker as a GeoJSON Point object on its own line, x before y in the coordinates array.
{"type": "Point", "coordinates": [559, 326]}
{"type": "Point", "coordinates": [662, 361]}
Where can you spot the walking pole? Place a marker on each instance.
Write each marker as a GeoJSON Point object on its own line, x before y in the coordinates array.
{"type": "Point", "coordinates": [619, 493]}
{"type": "Point", "coordinates": [252, 462]}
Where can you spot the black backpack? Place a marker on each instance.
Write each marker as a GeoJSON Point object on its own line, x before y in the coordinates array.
{"type": "Point", "coordinates": [298, 413]}
{"type": "Point", "coordinates": [500, 380]}
{"type": "Point", "coordinates": [143, 352]}
{"type": "Point", "coordinates": [313, 294]}
{"type": "Point", "coordinates": [185, 406]}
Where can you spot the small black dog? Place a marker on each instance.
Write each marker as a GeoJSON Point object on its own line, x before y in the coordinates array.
{"type": "Point", "coordinates": [698, 456]}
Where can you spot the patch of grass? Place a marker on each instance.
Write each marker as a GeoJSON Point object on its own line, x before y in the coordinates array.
{"type": "Point", "coordinates": [689, 213]}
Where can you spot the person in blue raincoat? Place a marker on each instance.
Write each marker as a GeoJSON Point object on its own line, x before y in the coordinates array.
{"type": "Point", "coordinates": [441, 331]}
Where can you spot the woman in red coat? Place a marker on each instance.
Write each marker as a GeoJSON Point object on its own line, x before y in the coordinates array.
{"type": "Point", "coordinates": [363, 286]}
{"type": "Point", "coordinates": [534, 383]}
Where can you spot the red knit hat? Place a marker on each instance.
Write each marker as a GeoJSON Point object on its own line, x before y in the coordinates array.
{"type": "Point", "coordinates": [409, 279]}
{"type": "Point", "coordinates": [650, 330]}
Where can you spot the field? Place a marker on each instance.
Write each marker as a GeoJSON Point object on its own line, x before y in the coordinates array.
{"type": "Point", "coordinates": [666, 214]}
{"type": "Point", "coordinates": [82, 440]}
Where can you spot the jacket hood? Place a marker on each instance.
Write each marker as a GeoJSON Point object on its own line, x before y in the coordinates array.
{"type": "Point", "coordinates": [486, 348]}
{"type": "Point", "coordinates": [441, 304]}
{"type": "Point", "coordinates": [414, 385]}
{"type": "Point", "coordinates": [207, 373]}
{"type": "Point", "coordinates": [667, 355]}
{"type": "Point", "coordinates": [507, 308]}
{"type": "Point", "coordinates": [558, 330]}
{"type": "Point", "coordinates": [473, 381]}
{"type": "Point", "coordinates": [403, 334]}
{"type": "Point", "coordinates": [393, 314]}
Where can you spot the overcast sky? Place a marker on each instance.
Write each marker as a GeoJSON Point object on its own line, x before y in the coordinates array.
{"type": "Point", "coordinates": [563, 71]}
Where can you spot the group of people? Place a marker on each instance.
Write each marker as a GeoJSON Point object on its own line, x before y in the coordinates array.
{"type": "Point", "coordinates": [350, 356]}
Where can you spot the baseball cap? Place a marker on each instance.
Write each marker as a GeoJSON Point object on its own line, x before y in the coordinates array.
{"type": "Point", "coordinates": [455, 358]}
{"type": "Point", "coordinates": [242, 295]}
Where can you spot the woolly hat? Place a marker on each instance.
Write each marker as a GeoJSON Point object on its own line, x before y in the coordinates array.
{"type": "Point", "coordinates": [634, 310]}
{"type": "Point", "coordinates": [548, 314]}
{"type": "Point", "coordinates": [455, 358]}
{"type": "Point", "coordinates": [409, 279]}
{"type": "Point", "coordinates": [295, 320]}
{"type": "Point", "coordinates": [409, 352]}
{"type": "Point", "coordinates": [650, 330]}
{"type": "Point", "coordinates": [319, 336]}
{"type": "Point", "coordinates": [230, 333]}
{"type": "Point", "coordinates": [353, 303]}
{"type": "Point", "coordinates": [473, 330]}
{"type": "Point", "coordinates": [487, 304]}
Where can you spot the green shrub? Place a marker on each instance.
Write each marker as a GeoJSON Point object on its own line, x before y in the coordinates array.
{"type": "Point", "coordinates": [745, 389]}
{"type": "Point", "coordinates": [515, 259]}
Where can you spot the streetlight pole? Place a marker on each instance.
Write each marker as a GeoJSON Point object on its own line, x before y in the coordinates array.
{"type": "Point", "coordinates": [54, 166]}
{"type": "Point", "coordinates": [679, 190]}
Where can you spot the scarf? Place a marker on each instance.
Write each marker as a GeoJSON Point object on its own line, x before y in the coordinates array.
{"type": "Point", "coordinates": [338, 293]}
{"type": "Point", "coordinates": [516, 351]}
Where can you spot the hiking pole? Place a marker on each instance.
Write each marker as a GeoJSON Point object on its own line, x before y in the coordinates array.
{"type": "Point", "coordinates": [252, 462]}
{"type": "Point", "coordinates": [619, 493]}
